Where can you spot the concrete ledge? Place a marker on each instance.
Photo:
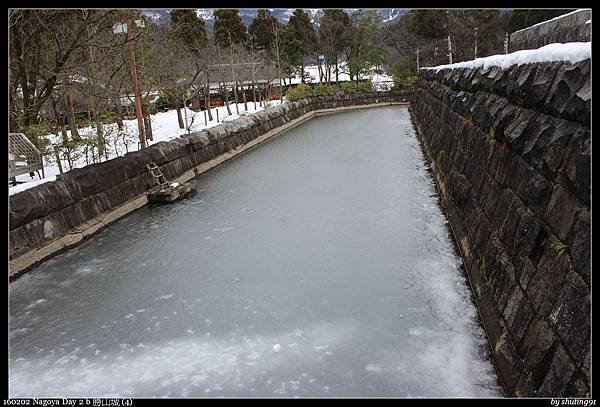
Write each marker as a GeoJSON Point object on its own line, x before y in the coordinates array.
{"type": "Point", "coordinates": [31, 258]}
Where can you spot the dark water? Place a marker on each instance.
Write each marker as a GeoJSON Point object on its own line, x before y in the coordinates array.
{"type": "Point", "coordinates": [318, 264]}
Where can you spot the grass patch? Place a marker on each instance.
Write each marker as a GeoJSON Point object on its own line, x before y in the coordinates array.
{"type": "Point", "coordinates": [559, 248]}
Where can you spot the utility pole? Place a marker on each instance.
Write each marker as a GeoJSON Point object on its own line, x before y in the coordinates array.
{"type": "Point", "coordinates": [136, 85]}
{"type": "Point", "coordinates": [506, 43]}
{"type": "Point", "coordinates": [475, 42]}
{"type": "Point", "coordinates": [450, 50]}
{"type": "Point", "coordinates": [417, 60]}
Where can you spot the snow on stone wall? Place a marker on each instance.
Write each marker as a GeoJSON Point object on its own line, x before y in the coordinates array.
{"type": "Point", "coordinates": [569, 52]}
{"type": "Point", "coordinates": [570, 27]}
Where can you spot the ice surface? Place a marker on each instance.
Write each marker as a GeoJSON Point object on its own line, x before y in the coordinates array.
{"type": "Point", "coordinates": [345, 262]}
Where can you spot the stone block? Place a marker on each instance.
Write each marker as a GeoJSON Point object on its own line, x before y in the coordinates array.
{"type": "Point", "coordinates": [559, 372]}
{"type": "Point", "coordinates": [577, 164]}
{"type": "Point", "coordinates": [579, 243]}
{"type": "Point", "coordinates": [571, 316]}
{"type": "Point", "coordinates": [519, 133]}
{"type": "Point", "coordinates": [507, 360]}
{"type": "Point", "coordinates": [545, 286]}
{"type": "Point", "coordinates": [561, 211]}
{"type": "Point", "coordinates": [534, 190]}
{"type": "Point", "coordinates": [518, 314]}
{"type": "Point", "coordinates": [537, 350]}
{"type": "Point", "coordinates": [548, 151]}
{"type": "Point", "coordinates": [570, 92]}
{"type": "Point", "coordinates": [19, 241]}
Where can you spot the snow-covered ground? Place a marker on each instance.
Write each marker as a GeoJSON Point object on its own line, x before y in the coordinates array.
{"type": "Point", "coordinates": [380, 82]}
{"type": "Point", "coordinates": [165, 126]}
{"type": "Point", "coordinates": [572, 52]}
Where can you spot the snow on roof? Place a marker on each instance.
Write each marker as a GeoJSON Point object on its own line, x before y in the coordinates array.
{"type": "Point", "coordinates": [552, 19]}
{"type": "Point", "coordinates": [571, 52]}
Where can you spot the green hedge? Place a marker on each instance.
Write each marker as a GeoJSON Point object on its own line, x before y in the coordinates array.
{"type": "Point", "coordinates": [304, 91]}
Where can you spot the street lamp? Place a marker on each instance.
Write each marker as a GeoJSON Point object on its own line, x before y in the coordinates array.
{"type": "Point", "coordinates": [128, 28]}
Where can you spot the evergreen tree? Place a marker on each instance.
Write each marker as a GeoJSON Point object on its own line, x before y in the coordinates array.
{"type": "Point", "coordinates": [229, 28]}
{"type": "Point", "coordinates": [292, 54]}
{"type": "Point", "coordinates": [333, 34]}
{"type": "Point", "coordinates": [363, 47]}
{"type": "Point", "coordinates": [304, 35]}
{"type": "Point", "coordinates": [189, 28]}
{"type": "Point", "coordinates": [429, 24]}
{"type": "Point", "coordinates": [261, 30]}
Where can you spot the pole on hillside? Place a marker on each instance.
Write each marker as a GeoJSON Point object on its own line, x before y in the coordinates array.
{"type": "Point", "coordinates": [417, 59]}
{"type": "Point", "coordinates": [136, 85]}
{"type": "Point", "coordinates": [449, 50]}
{"type": "Point", "coordinates": [506, 43]}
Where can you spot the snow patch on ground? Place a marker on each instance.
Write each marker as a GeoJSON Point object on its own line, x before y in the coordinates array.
{"type": "Point", "coordinates": [165, 127]}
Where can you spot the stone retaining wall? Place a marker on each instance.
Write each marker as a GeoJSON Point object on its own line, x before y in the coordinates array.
{"type": "Point", "coordinates": [510, 152]}
{"type": "Point", "coordinates": [571, 27]}
{"type": "Point", "coordinates": [52, 216]}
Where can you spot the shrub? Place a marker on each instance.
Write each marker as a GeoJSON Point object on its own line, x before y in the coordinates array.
{"type": "Point", "coordinates": [323, 90]}
{"type": "Point", "coordinates": [366, 86]}
{"type": "Point", "coordinates": [304, 91]}
{"type": "Point", "coordinates": [301, 91]}
{"type": "Point", "coordinates": [165, 102]}
{"type": "Point", "coordinates": [405, 82]}
{"type": "Point", "coordinates": [349, 87]}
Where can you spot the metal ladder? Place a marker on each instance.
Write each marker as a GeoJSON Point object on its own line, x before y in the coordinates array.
{"type": "Point", "coordinates": [158, 175]}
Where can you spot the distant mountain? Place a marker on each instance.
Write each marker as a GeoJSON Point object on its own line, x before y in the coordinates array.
{"type": "Point", "coordinates": [163, 17]}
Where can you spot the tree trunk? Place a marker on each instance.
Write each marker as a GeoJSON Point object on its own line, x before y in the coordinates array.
{"type": "Point", "coordinates": [180, 119]}
{"type": "Point", "coordinates": [60, 123]}
{"type": "Point", "coordinates": [57, 156]}
{"type": "Point", "coordinates": [207, 102]}
{"type": "Point", "coordinates": [210, 118]}
{"type": "Point", "coordinates": [226, 99]}
{"type": "Point", "coordinates": [259, 98]}
{"type": "Point", "coordinates": [320, 70]}
{"type": "Point", "coordinates": [235, 92]}
{"type": "Point", "coordinates": [337, 78]}
{"type": "Point", "coordinates": [148, 126]}
{"type": "Point", "coordinates": [119, 113]}
{"type": "Point", "coordinates": [99, 134]}
{"type": "Point", "coordinates": [185, 117]}
{"type": "Point", "coordinates": [245, 101]}
{"type": "Point", "coordinates": [234, 84]}
{"type": "Point", "coordinates": [71, 117]}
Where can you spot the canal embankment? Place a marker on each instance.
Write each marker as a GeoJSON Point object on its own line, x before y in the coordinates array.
{"type": "Point", "coordinates": [510, 149]}
{"type": "Point", "coordinates": [54, 216]}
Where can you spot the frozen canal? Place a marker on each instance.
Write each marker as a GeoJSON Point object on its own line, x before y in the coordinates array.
{"type": "Point", "coordinates": [318, 264]}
